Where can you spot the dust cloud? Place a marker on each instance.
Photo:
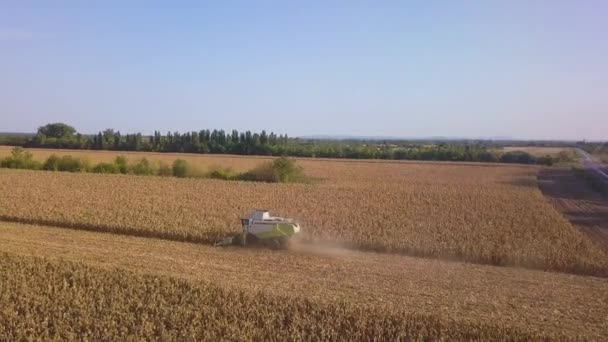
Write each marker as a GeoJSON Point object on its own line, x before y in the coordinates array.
{"type": "Point", "coordinates": [318, 248]}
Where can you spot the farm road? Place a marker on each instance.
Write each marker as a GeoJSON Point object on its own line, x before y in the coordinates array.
{"type": "Point", "coordinates": [527, 299]}
{"type": "Point", "coordinates": [593, 165]}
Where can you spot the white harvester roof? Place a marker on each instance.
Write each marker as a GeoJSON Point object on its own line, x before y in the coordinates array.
{"type": "Point", "coordinates": [264, 215]}
{"type": "Point", "coordinates": [261, 215]}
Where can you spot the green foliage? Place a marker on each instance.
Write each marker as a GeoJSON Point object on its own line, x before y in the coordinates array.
{"type": "Point", "coordinates": [261, 173]}
{"type": "Point", "coordinates": [20, 159]}
{"type": "Point", "coordinates": [287, 171]}
{"type": "Point", "coordinates": [73, 164]}
{"type": "Point", "coordinates": [52, 163]}
{"type": "Point", "coordinates": [281, 170]}
{"type": "Point", "coordinates": [180, 168]}
{"type": "Point", "coordinates": [119, 165]}
{"type": "Point", "coordinates": [122, 163]}
{"type": "Point", "coordinates": [269, 144]}
{"type": "Point", "coordinates": [519, 157]}
{"type": "Point", "coordinates": [14, 139]}
{"type": "Point", "coordinates": [224, 173]}
{"type": "Point", "coordinates": [106, 168]}
{"type": "Point", "coordinates": [66, 163]}
{"type": "Point", "coordinates": [57, 130]}
{"type": "Point", "coordinates": [143, 167]}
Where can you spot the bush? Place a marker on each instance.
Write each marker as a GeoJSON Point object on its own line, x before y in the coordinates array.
{"type": "Point", "coordinates": [73, 164]}
{"type": "Point", "coordinates": [65, 163]}
{"type": "Point", "coordinates": [287, 171]}
{"type": "Point", "coordinates": [545, 160]}
{"type": "Point", "coordinates": [106, 168]}
{"type": "Point", "coordinates": [223, 173]}
{"type": "Point", "coordinates": [122, 164]}
{"type": "Point", "coordinates": [281, 170]}
{"type": "Point", "coordinates": [20, 159]}
{"type": "Point", "coordinates": [487, 157]}
{"type": "Point", "coordinates": [52, 163]}
{"type": "Point", "coordinates": [261, 173]}
{"type": "Point", "coordinates": [180, 168]}
{"type": "Point", "coordinates": [143, 167]}
{"type": "Point", "coordinates": [519, 157]}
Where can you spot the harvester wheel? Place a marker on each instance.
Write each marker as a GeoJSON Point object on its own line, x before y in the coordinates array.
{"type": "Point", "coordinates": [273, 243]}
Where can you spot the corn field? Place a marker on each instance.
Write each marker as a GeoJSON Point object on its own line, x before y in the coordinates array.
{"type": "Point", "coordinates": [164, 290]}
{"type": "Point", "coordinates": [478, 213]}
{"type": "Point", "coordinates": [45, 300]}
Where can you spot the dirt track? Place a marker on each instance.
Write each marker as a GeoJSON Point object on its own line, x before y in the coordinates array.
{"type": "Point", "coordinates": [594, 165]}
{"type": "Point", "coordinates": [530, 300]}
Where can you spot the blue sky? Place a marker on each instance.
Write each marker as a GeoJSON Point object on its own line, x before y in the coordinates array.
{"type": "Point", "coordinates": [525, 69]}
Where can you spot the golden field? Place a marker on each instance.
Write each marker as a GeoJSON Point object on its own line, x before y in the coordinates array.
{"type": "Point", "coordinates": [210, 161]}
{"type": "Point", "coordinates": [421, 297]}
{"type": "Point", "coordinates": [81, 302]}
{"type": "Point", "coordinates": [82, 283]}
{"type": "Point", "coordinates": [483, 213]}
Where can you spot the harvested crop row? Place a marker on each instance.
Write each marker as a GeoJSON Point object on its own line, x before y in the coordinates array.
{"type": "Point", "coordinates": [484, 214]}
{"type": "Point", "coordinates": [58, 300]}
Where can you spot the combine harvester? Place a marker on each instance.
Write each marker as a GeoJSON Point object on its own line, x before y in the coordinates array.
{"type": "Point", "coordinates": [262, 229]}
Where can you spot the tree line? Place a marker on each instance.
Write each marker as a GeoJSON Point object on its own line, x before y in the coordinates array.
{"type": "Point", "coordinates": [60, 135]}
